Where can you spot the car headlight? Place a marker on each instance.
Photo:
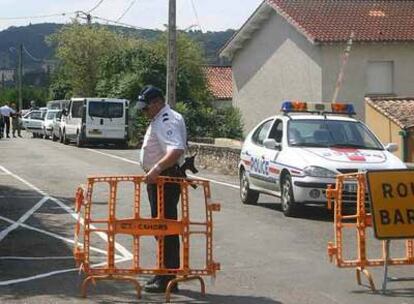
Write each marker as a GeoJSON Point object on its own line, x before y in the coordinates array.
{"type": "Point", "coordinates": [316, 171]}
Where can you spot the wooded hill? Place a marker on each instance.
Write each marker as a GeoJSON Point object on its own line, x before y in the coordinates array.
{"type": "Point", "coordinates": [33, 38]}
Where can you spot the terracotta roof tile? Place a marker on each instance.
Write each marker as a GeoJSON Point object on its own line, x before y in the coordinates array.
{"type": "Point", "coordinates": [219, 80]}
{"type": "Point", "coordinates": [333, 20]}
{"type": "Point", "coordinates": [398, 109]}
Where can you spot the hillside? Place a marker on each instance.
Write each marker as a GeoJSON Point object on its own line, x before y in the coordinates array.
{"type": "Point", "coordinates": [33, 38]}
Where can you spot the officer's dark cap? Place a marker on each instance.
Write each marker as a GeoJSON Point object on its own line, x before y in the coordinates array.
{"type": "Point", "coordinates": [147, 94]}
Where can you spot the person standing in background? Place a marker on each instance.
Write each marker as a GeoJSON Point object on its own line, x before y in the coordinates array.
{"type": "Point", "coordinates": [6, 112]}
{"type": "Point", "coordinates": [16, 124]}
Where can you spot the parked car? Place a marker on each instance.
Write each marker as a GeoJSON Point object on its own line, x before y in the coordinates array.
{"type": "Point", "coordinates": [95, 120]}
{"type": "Point", "coordinates": [48, 123]}
{"type": "Point", "coordinates": [57, 104]}
{"type": "Point", "coordinates": [297, 154]}
{"type": "Point", "coordinates": [33, 122]}
{"type": "Point", "coordinates": [57, 127]}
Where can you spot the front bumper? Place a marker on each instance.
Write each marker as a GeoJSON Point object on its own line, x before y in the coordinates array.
{"type": "Point", "coordinates": [313, 190]}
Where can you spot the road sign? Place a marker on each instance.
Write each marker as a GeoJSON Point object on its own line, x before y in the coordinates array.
{"type": "Point", "coordinates": [392, 203]}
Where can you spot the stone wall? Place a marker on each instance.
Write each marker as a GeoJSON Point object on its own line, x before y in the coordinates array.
{"type": "Point", "coordinates": [216, 158]}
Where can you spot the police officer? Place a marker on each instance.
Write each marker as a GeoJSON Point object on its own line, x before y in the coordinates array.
{"type": "Point", "coordinates": [16, 124]}
{"type": "Point", "coordinates": [162, 153]}
{"type": "Point", "coordinates": [6, 112]}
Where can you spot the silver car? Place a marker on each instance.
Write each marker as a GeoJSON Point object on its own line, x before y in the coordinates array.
{"type": "Point", "coordinates": [48, 123]}
{"type": "Point", "coordinates": [33, 122]}
{"type": "Point", "coordinates": [57, 127]}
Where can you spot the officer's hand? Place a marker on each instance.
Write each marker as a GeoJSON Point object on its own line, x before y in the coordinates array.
{"type": "Point", "coordinates": [151, 176]}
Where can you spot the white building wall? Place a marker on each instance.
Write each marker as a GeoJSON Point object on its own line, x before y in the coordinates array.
{"type": "Point", "coordinates": [354, 87]}
{"type": "Point", "coordinates": [7, 75]}
{"type": "Point", "coordinates": [277, 64]}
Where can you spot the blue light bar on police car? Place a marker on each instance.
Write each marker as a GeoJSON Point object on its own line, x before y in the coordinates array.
{"type": "Point", "coordinates": [335, 108]}
{"type": "Point", "coordinates": [294, 106]}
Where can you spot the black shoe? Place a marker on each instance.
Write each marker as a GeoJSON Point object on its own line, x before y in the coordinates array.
{"type": "Point", "coordinates": [160, 286]}
{"type": "Point", "coordinates": [20, 135]}
{"type": "Point", "coordinates": [14, 136]}
{"type": "Point", "coordinates": [153, 280]}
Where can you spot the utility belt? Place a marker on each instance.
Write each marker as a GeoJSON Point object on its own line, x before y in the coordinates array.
{"type": "Point", "coordinates": [173, 171]}
{"type": "Point", "coordinates": [180, 171]}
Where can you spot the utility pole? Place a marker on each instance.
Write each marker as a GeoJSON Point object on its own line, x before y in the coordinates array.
{"type": "Point", "coordinates": [172, 55]}
{"type": "Point", "coordinates": [20, 76]}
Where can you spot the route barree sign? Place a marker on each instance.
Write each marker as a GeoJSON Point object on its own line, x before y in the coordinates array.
{"type": "Point", "coordinates": [392, 203]}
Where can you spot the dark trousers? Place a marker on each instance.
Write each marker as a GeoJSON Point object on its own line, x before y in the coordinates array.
{"type": "Point", "coordinates": [7, 124]}
{"type": "Point", "coordinates": [1, 126]}
{"type": "Point", "coordinates": [16, 126]}
{"type": "Point", "coordinates": [171, 198]}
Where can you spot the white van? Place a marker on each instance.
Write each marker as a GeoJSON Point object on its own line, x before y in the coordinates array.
{"type": "Point", "coordinates": [95, 120]}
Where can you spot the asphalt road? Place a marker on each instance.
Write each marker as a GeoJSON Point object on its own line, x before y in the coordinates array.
{"type": "Point", "coordinates": [264, 256]}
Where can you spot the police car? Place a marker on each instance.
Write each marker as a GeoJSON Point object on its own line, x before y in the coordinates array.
{"type": "Point", "coordinates": [297, 154]}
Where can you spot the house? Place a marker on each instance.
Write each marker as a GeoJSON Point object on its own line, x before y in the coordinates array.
{"type": "Point", "coordinates": [220, 85]}
{"type": "Point", "coordinates": [392, 120]}
{"type": "Point", "coordinates": [294, 49]}
{"type": "Point", "coordinates": [7, 75]}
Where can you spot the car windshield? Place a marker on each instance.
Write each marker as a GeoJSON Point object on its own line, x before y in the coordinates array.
{"type": "Point", "coordinates": [51, 115]}
{"type": "Point", "coordinates": [106, 109]}
{"type": "Point", "coordinates": [331, 133]}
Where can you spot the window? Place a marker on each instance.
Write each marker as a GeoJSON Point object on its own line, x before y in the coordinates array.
{"type": "Point", "coordinates": [106, 109]}
{"type": "Point", "coordinates": [261, 132]}
{"type": "Point", "coordinates": [277, 131]}
{"type": "Point", "coordinates": [331, 133]}
{"type": "Point", "coordinates": [77, 108]}
{"type": "Point", "coordinates": [36, 115]}
{"type": "Point", "coordinates": [380, 78]}
{"type": "Point", "coordinates": [51, 115]}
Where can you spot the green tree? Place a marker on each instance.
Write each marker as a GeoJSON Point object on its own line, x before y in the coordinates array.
{"type": "Point", "coordinates": [29, 93]}
{"type": "Point", "coordinates": [80, 49]}
{"type": "Point", "coordinates": [60, 86]}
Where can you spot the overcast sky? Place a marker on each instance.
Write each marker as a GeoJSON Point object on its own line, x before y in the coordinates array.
{"type": "Point", "coordinates": [213, 15]}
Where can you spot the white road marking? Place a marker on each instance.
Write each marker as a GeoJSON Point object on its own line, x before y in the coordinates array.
{"type": "Point", "coordinates": [51, 234]}
{"type": "Point", "coordinates": [45, 275]}
{"type": "Point", "coordinates": [118, 246]}
{"type": "Point", "coordinates": [189, 175]}
{"type": "Point", "coordinates": [36, 258]}
{"type": "Point", "coordinates": [23, 218]}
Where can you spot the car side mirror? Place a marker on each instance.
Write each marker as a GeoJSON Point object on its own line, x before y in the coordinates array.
{"type": "Point", "coordinates": [64, 112]}
{"type": "Point", "coordinates": [391, 147]}
{"type": "Point", "coordinates": [271, 143]}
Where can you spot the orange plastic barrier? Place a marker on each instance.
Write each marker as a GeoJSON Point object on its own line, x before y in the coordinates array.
{"type": "Point", "coordinates": [138, 227]}
{"type": "Point", "coordinates": [361, 221]}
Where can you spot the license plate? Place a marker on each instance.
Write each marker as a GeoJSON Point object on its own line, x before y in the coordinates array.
{"type": "Point", "coordinates": [351, 188]}
{"type": "Point", "coordinates": [95, 131]}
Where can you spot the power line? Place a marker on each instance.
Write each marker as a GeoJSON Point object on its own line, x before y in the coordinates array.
{"type": "Point", "coordinates": [196, 15]}
{"type": "Point", "coordinates": [31, 56]}
{"type": "Point", "coordinates": [96, 6]}
{"type": "Point", "coordinates": [38, 16]}
{"type": "Point", "coordinates": [126, 11]}
{"type": "Point", "coordinates": [118, 23]}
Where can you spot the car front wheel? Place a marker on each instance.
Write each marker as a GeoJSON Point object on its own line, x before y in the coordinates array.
{"type": "Point", "coordinates": [248, 196]}
{"type": "Point", "coordinates": [287, 200]}
{"type": "Point", "coordinates": [65, 139]}
{"type": "Point", "coordinates": [79, 141]}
